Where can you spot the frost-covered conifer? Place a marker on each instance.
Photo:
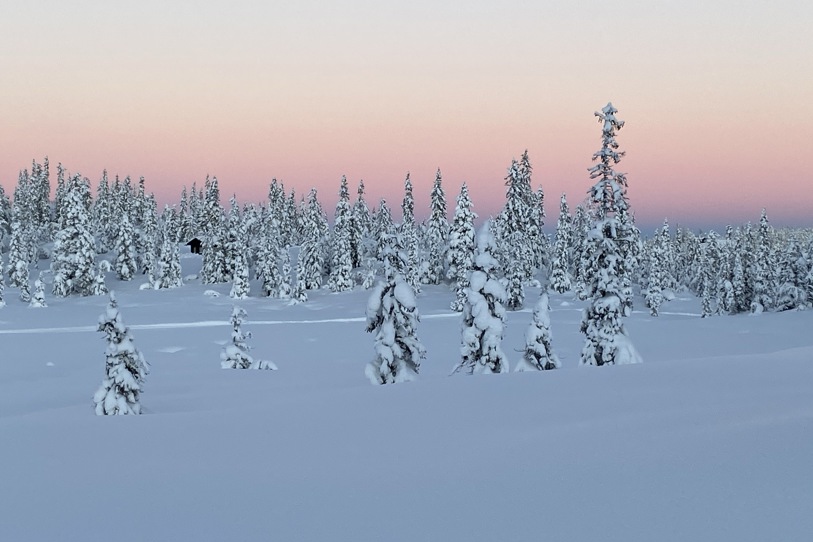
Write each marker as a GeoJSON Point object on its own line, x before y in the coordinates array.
{"type": "Point", "coordinates": [460, 256]}
{"type": "Point", "coordinates": [513, 234]}
{"type": "Point", "coordinates": [606, 340]}
{"type": "Point", "coordinates": [269, 259]}
{"type": "Point", "coordinates": [25, 291]}
{"type": "Point", "coordinates": [147, 234]}
{"type": "Point", "coordinates": [763, 268]}
{"type": "Point", "coordinates": [74, 246]}
{"type": "Point", "coordinates": [125, 367]}
{"type": "Point", "coordinates": [235, 355]}
{"type": "Point", "coordinates": [360, 226]}
{"type": "Point", "coordinates": [240, 287]}
{"type": "Point", "coordinates": [408, 239]}
{"type": "Point", "coordinates": [38, 299]}
{"type": "Point", "coordinates": [2, 291]}
{"type": "Point", "coordinates": [341, 271]}
{"type": "Point", "coordinates": [560, 267]}
{"type": "Point", "coordinates": [580, 251]}
{"type": "Point", "coordinates": [483, 313]}
{"type": "Point", "coordinates": [215, 265]}
{"type": "Point", "coordinates": [392, 314]}
{"type": "Point", "coordinates": [539, 355]}
{"type": "Point", "coordinates": [170, 261]}
{"type": "Point", "coordinates": [437, 233]}
{"type": "Point", "coordinates": [299, 293]}
{"type": "Point", "coordinates": [99, 283]}
{"type": "Point", "coordinates": [124, 247]}
{"type": "Point", "coordinates": [19, 255]}
{"type": "Point", "coordinates": [311, 263]}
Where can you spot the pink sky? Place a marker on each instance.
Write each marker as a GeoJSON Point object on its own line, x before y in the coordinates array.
{"type": "Point", "coordinates": [716, 99]}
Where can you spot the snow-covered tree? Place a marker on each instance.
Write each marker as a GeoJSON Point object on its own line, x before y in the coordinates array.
{"type": "Point", "coordinates": [392, 314]}
{"type": "Point", "coordinates": [240, 287]}
{"type": "Point", "coordinates": [763, 269]}
{"type": "Point", "coordinates": [99, 281]}
{"type": "Point", "coordinates": [38, 299]}
{"type": "Point", "coordinates": [360, 226]}
{"type": "Point", "coordinates": [560, 268]}
{"type": "Point", "coordinates": [235, 355]}
{"type": "Point", "coordinates": [340, 279]}
{"type": "Point", "coordinates": [170, 261]}
{"type": "Point", "coordinates": [437, 233]}
{"type": "Point", "coordinates": [124, 247]}
{"type": "Point", "coordinates": [311, 256]}
{"type": "Point", "coordinates": [606, 340]}
{"type": "Point", "coordinates": [539, 355]}
{"type": "Point", "coordinates": [483, 312]}
{"type": "Point", "coordinates": [125, 367]}
{"type": "Point", "coordinates": [460, 256]}
{"type": "Point", "coordinates": [74, 246]}
{"type": "Point", "coordinates": [408, 239]}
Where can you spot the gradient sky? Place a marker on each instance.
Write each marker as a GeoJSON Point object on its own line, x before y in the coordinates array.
{"type": "Point", "coordinates": [716, 96]}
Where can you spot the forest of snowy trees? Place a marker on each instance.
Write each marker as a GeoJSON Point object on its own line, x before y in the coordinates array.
{"type": "Point", "coordinates": [81, 242]}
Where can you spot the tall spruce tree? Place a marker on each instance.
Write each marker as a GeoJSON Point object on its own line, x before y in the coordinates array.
{"type": "Point", "coordinates": [437, 233]}
{"type": "Point", "coordinates": [460, 256]}
{"type": "Point", "coordinates": [74, 246]}
{"type": "Point", "coordinates": [606, 340]}
{"type": "Point", "coordinates": [560, 268]}
{"type": "Point", "coordinates": [341, 271]}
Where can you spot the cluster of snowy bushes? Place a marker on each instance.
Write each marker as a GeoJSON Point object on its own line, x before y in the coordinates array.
{"type": "Point", "coordinates": [288, 247]}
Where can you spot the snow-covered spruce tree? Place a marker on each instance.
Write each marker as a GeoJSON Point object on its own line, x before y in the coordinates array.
{"type": "Point", "coordinates": [706, 278]}
{"type": "Point", "coordinates": [5, 216]}
{"type": "Point", "coordinates": [392, 314]}
{"type": "Point", "coordinates": [460, 256]}
{"type": "Point", "coordinates": [408, 238]}
{"type": "Point", "coordinates": [25, 291]}
{"type": "Point", "coordinates": [268, 261]}
{"type": "Point", "coordinates": [102, 215]}
{"type": "Point", "coordinates": [147, 236]}
{"type": "Point", "coordinates": [607, 342]}
{"type": "Point", "coordinates": [74, 247]}
{"type": "Point", "coordinates": [384, 229]}
{"type": "Point", "coordinates": [125, 367]}
{"type": "Point", "coordinates": [539, 355]}
{"type": "Point", "coordinates": [659, 255]}
{"type": "Point", "coordinates": [215, 266]}
{"type": "Point", "coordinates": [311, 256]}
{"type": "Point", "coordinates": [762, 271]}
{"type": "Point", "coordinates": [2, 291]}
{"type": "Point", "coordinates": [513, 233]}
{"type": "Point", "coordinates": [235, 354]}
{"type": "Point", "coordinates": [19, 255]}
{"type": "Point", "coordinates": [169, 261]}
{"type": "Point", "coordinates": [99, 282]}
{"type": "Point", "coordinates": [341, 271]}
{"type": "Point", "coordinates": [724, 290]}
{"type": "Point", "coordinates": [437, 233]}
{"type": "Point", "coordinates": [124, 247]}
{"type": "Point", "coordinates": [360, 226]}
{"type": "Point", "coordinates": [580, 251]}
{"type": "Point", "coordinates": [240, 287]}
{"type": "Point", "coordinates": [793, 270]}
{"type": "Point", "coordinates": [483, 312]}
{"type": "Point", "coordinates": [560, 268]}
{"type": "Point", "coordinates": [38, 299]}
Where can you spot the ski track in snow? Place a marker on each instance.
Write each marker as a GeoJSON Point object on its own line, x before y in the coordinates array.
{"type": "Point", "coordinates": [209, 323]}
{"type": "Point", "coordinates": [220, 323]}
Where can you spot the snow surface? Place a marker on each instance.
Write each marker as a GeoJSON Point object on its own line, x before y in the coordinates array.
{"type": "Point", "coordinates": [711, 439]}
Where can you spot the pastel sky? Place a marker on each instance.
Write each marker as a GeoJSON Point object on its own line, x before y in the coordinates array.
{"type": "Point", "coordinates": [716, 96]}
